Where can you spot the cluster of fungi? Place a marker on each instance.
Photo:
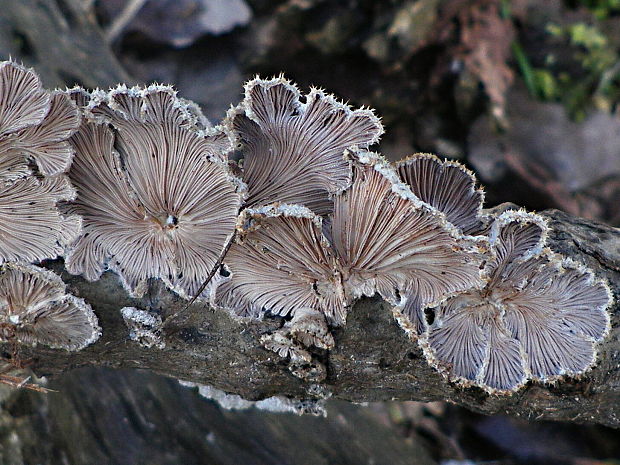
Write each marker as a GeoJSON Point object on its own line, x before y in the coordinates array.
{"type": "Point", "coordinates": [138, 182]}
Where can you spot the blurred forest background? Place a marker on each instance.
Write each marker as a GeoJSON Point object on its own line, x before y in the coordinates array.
{"type": "Point", "coordinates": [524, 92]}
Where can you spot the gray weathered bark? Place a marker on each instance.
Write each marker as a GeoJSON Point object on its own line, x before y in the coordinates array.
{"type": "Point", "coordinates": [128, 417]}
{"type": "Point", "coordinates": [373, 359]}
{"type": "Point", "coordinates": [62, 40]}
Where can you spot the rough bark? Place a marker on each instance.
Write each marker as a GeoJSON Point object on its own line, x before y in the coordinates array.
{"type": "Point", "coordinates": [373, 359]}
{"type": "Point", "coordinates": [128, 417]}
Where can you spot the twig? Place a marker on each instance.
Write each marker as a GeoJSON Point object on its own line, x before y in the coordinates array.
{"type": "Point", "coordinates": [205, 283]}
{"type": "Point", "coordinates": [123, 19]}
{"type": "Point", "coordinates": [17, 382]}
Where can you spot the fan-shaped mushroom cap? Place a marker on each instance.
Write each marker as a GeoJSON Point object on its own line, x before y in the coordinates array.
{"type": "Point", "coordinates": [34, 124]}
{"type": "Point", "coordinates": [156, 195]}
{"type": "Point", "coordinates": [23, 101]}
{"type": "Point", "coordinates": [380, 238]}
{"type": "Point", "coordinates": [540, 315]}
{"type": "Point", "coordinates": [292, 150]}
{"type": "Point", "coordinates": [446, 185]}
{"type": "Point", "coordinates": [389, 241]}
{"type": "Point", "coordinates": [281, 262]}
{"type": "Point", "coordinates": [31, 227]}
{"type": "Point", "coordinates": [35, 309]}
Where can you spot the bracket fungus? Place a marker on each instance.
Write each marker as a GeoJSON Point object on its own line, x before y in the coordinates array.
{"type": "Point", "coordinates": [391, 242]}
{"type": "Point", "coordinates": [450, 188]}
{"type": "Point", "coordinates": [155, 192]}
{"type": "Point", "coordinates": [282, 262]}
{"type": "Point", "coordinates": [293, 151]}
{"type": "Point", "coordinates": [149, 193]}
{"type": "Point", "coordinates": [539, 317]}
{"type": "Point", "coordinates": [379, 238]}
{"type": "Point", "coordinates": [446, 185]}
{"type": "Point", "coordinates": [34, 152]}
{"type": "Point", "coordinates": [36, 309]}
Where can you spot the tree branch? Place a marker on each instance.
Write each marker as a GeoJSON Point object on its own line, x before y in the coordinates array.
{"type": "Point", "coordinates": [373, 359]}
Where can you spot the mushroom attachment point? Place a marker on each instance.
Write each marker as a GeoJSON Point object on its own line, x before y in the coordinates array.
{"type": "Point", "coordinates": [292, 150]}
{"type": "Point", "coordinates": [155, 191]}
{"type": "Point", "coordinates": [36, 309]}
{"type": "Point", "coordinates": [539, 317]}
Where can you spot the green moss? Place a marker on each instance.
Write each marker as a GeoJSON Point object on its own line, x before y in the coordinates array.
{"type": "Point", "coordinates": [591, 79]}
{"type": "Point", "coordinates": [601, 9]}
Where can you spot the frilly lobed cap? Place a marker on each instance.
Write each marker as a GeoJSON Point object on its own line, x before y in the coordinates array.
{"type": "Point", "coordinates": [379, 238]}
{"type": "Point", "coordinates": [391, 242]}
{"type": "Point", "coordinates": [293, 150]}
{"type": "Point", "coordinates": [446, 185]}
{"type": "Point", "coordinates": [155, 192]}
{"type": "Point", "coordinates": [36, 309]}
{"type": "Point", "coordinates": [539, 317]}
{"type": "Point", "coordinates": [34, 152]}
{"type": "Point", "coordinates": [281, 262]}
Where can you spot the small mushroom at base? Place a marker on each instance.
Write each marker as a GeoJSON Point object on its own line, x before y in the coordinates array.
{"type": "Point", "coordinates": [36, 309]}
{"type": "Point", "coordinates": [144, 327]}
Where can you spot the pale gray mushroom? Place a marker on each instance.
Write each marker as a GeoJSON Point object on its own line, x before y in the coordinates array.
{"type": "Point", "coordinates": [380, 238]}
{"type": "Point", "coordinates": [539, 317]}
{"type": "Point", "coordinates": [293, 151]}
{"type": "Point", "coordinates": [389, 241]}
{"type": "Point", "coordinates": [145, 328]}
{"type": "Point", "coordinates": [282, 344]}
{"type": "Point", "coordinates": [308, 328]}
{"type": "Point", "coordinates": [280, 263]}
{"type": "Point", "coordinates": [31, 227]}
{"type": "Point", "coordinates": [35, 308]}
{"type": "Point", "coordinates": [156, 195]}
{"type": "Point", "coordinates": [34, 125]}
{"type": "Point", "coordinates": [446, 185]}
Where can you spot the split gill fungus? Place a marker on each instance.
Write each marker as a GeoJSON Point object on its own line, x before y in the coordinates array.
{"type": "Point", "coordinates": [35, 125]}
{"type": "Point", "coordinates": [34, 153]}
{"type": "Point", "coordinates": [35, 308]}
{"type": "Point", "coordinates": [540, 315]}
{"type": "Point", "coordinates": [380, 238]}
{"type": "Point", "coordinates": [155, 192]}
{"type": "Point", "coordinates": [292, 149]}
{"type": "Point", "coordinates": [138, 182]}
